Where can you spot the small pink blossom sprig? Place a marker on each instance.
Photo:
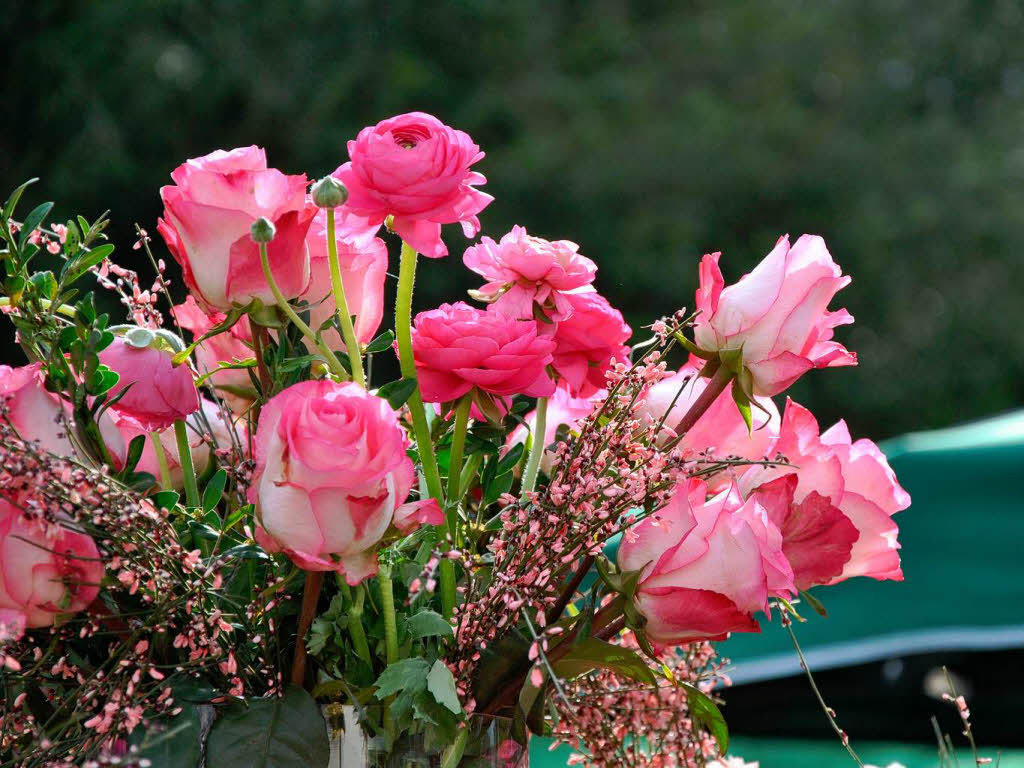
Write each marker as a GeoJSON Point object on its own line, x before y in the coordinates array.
{"type": "Point", "coordinates": [613, 721]}
{"type": "Point", "coordinates": [162, 617]}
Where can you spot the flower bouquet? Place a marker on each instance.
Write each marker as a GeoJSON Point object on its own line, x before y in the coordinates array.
{"type": "Point", "coordinates": [224, 541]}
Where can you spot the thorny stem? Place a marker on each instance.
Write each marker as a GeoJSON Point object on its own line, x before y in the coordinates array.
{"type": "Point", "coordinates": [329, 357]}
{"type": "Point", "coordinates": [537, 449]}
{"type": "Point", "coordinates": [310, 597]}
{"type": "Point", "coordinates": [341, 305]}
{"type": "Point", "coordinates": [844, 739]}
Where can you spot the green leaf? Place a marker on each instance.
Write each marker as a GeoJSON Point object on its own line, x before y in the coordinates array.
{"type": "Point", "coordinates": [232, 317]}
{"type": "Point", "coordinates": [135, 449]}
{"type": "Point", "coordinates": [75, 269]}
{"type": "Point", "coordinates": [398, 392]}
{"type": "Point", "coordinates": [12, 201]}
{"type": "Point", "coordinates": [270, 733]}
{"type": "Point", "coordinates": [407, 674]}
{"type": "Point", "coordinates": [171, 742]}
{"type": "Point", "coordinates": [705, 712]}
{"type": "Point", "coordinates": [428, 624]}
{"type": "Point", "coordinates": [815, 603]}
{"type": "Point", "coordinates": [246, 552]}
{"type": "Point", "coordinates": [743, 404]}
{"type": "Point", "coordinates": [214, 490]}
{"type": "Point", "coordinates": [381, 343]}
{"type": "Point", "coordinates": [509, 461]}
{"type": "Point", "coordinates": [165, 499]}
{"type": "Point", "coordinates": [441, 685]}
{"type": "Point", "coordinates": [591, 654]}
{"type": "Point", "coordinates": [33, 220]}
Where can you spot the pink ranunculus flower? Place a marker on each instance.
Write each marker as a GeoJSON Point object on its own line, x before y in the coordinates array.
{"type": "Point", "coordinates": [364, 265]}
{"type": "Point", "coordinates": [588, 343]}
{"type": "Point", "coordinates": [37, 413]}
{"type": "Point", "coordinates": [522, 270]}
{"type": "Point", "coordinates": [233, 345]}
{"type": "Point", "coordinates": [707, 565]}
{"type": "Point", "coordinates": [855, 478]}
{"type": "Point", "coordinates": [458, 347]}
{"type": "Point", "coordinates": [720, 429]}
{"type": "Point", "coordinates": [564, 410]}
{"type": "Point", "coordinates": [45, 568]}
{"type": "Point", "coordinates": [208, 214]}
{"type": "Point", "coordinates": [159, 392]}
{"type": "Point", "coordinates": [415, 168]}
{"type": "Point", "coordinates": [332, 475]}
{"type": "Point", "coordinates": [778, 314]}
{"type": "Point", "coordinates": [199, 439]}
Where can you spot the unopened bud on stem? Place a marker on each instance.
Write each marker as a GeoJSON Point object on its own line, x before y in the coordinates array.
{"type": "Point", "coordinates": [263, 230]}
{"type": "Point", "coordinates": [329, 193]}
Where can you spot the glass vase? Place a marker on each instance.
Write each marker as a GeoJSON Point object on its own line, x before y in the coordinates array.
{"type": "Point", "coordinates": [490, 745]}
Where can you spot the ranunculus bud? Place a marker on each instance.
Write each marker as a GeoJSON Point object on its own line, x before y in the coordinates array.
{"type": "Point", "coordinates": [415, 169]}
{"type": "Point", "coordinates": [332, 475]}
{"type": "Point", "coordinates": [45, 568]}
{"type": "Point", "coordinates": [209, 213]}
{"type": "Point", "coordinates": [707, 565]}
{"type": "Point", "coordinates": [262, 230]}
{"type": "Point", "coordinates": [329, 193]}
{"type": "Point", "coordinates": [159, 392]}
{"type": "Point", "coordinates": [458, 347]}
{"type": "Point", "coordinates": [776, 315]}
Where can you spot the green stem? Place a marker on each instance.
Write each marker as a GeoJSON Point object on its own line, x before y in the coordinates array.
{"type": "Point", "coordinates": [537, 449]}
{"type": "Point", "coordinates": [341, 305]}
{"type": "Point", "coordinates": [64, 309]}
{"type": "Point", "coordinates": [387, 600]}
{"type": "Point", "coordinates": [403, 334]}
{"type": "Point", "coordinates": [329, 357]}
{"type": "Point", "coordinates": [355, 625]}
{"type": "Point", "coordinates": [455, 458]}
{"type": "Point", "coordinates": [161, 460]}
{"type": "Point", "coordinates": [185, 459]}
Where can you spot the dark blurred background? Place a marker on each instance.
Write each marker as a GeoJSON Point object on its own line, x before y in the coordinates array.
{"type": "Point", "coordinates": [649, 132]}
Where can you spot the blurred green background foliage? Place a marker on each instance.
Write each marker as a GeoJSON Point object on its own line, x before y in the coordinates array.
{"type": "Point", "coordinates": [649, 132]}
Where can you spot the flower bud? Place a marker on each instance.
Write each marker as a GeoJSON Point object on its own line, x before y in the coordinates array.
{"type": "Point", "coordinates": [329, 193]}
{"type": "Point", "coordinates": [263, 230]}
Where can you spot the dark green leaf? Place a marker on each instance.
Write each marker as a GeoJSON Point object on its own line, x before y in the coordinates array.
{"type": "Point", "coordinates": [214, 490]}
{"type": "Point", "coordinates": [381, 343]}
{"type": "Point", "coordinates": [398, 392]}
{"type": "Point", "coordinates": [246, 552]}
{"type": "Point", "coordinates": [173, 742]}
{"type": "Point", "coordinates": [75, 269]}
{"type": "Point", "coordinates": [407, 674]}
{"type": "Point", "coordinates": [593, 654]}
{"type": "Point", "coordinates": [165, 499]}
{"type": "Point", "coordinates": [135, 449]}
{"type": "Point", "coordinates": [428, 624]}
{"type": "Point", "coordinates": [705, 712]}
{"type": "Point", "coordinates": [288, 732]}
{"type": "Point", "coordinates": [33, 220]}
{"type": "Point", "coordinates": [509, 460]}
{"type": "Point", "coordinates": [12, 201]}
{"type": "Point", "coordinates": [441, 685]}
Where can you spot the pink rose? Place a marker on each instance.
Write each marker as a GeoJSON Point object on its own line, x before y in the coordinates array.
{"type": "Point", "coordinates": [233, 345]}
{"type": "Point", "coordinates": [417, 169]}
{"type": "Point", "coordinates": [159, 392]}
{"type": "Point", "coordinates": [720, 429]}
{"type": "Point", "coordinates": [208, 214]}
{"type": "Point", "coordinates": [332, 475]}
{"type": "Point", "coordinates": [364, 266]}
{"type": "Point", "coordinates": [589, 342]}
{"type": "Point", "coordinates": [777, 314]}
{"type": "Point", "coordinates": [564, 410]}
{"type": "Point", "coordinates": [457, 347]}
{"type": "Point", "coordinates": [523, 271]}
{"type": "Point", "coordinates": [198, 439]}
{"type": "Point", "coordinates": [855, 478]}
{"type": "Point", "coordinates": [707, 565]}
{"type": "Point", "coordinates": [36, 413]}
{"type": "Point", "coordinates": [45, 568]}
{"type": "Point", "coordinates": [12, 627]}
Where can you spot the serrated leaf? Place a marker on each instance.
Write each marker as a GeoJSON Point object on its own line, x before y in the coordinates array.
{"type": "Point", "coordinates": [398, 392]}
{"type": "Point", "coordinates": [705, 712]}
{"type": "Point", "coordinates": [441, 685]}
{"type": "Point", "coordinates": [428, 624]}
{"type": "Point", "coordinates": [270, 733]}
{"type": "Point", "coordinates": [214, 490]}
{"type": "Point", "coordinates": [407, 674]}
{"type": "Point", "coordinates": [591, 654]}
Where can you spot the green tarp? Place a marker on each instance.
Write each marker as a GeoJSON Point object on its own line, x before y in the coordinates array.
{"type": "Point", "coordinates": [963, 542]}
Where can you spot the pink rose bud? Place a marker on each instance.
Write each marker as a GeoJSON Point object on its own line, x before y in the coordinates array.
{"type": "Point", "coordinates": [841, 488]}
{"type": "Point", "coordinates": [233, 345]}
{"type": "Point", "coordinates": [159, 393]}
{"type": "Point", "coordinates": [458, 347]}
{"type": "Point", "coordinates": [332, 475]}
{"type": "Point", "coordinates": [45, 568]}
{"type": "Point", "coordinates": [523, 271]}
{"type": "Point", "coordinates": [41, 416]}
{"type": "Point", "coordinates": [707, 565]}
{"type": "Point", "coordinates": [778, 314]}
{"type": "Point", "coordinates": [415, 168]}
{"type": "Point", "coordinates": [589, 343]}
{"type": "Point", "coordinates": [208, 216]}
{"type": "Point", "coordinates": [364, 264]}
{"type": "Point", "coordinates": [720, 429]}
